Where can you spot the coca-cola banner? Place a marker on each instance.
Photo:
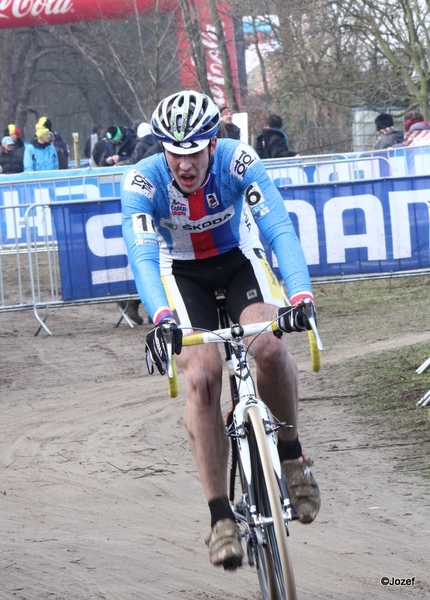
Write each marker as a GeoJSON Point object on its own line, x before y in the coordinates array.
{"type": "Point", "coordinates": [31, 13]}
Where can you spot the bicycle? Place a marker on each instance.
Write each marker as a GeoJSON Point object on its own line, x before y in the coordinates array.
{"type": "Point", "coordinates": [263, 509]}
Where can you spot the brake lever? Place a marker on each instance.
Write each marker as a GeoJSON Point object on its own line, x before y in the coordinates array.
{"type": "Point", "coordinates": [168, 338]}
{"type": "Point", "coordinates": [308, 309]}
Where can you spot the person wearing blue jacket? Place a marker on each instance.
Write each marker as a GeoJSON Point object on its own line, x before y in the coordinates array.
{"type": "Point", "coordinates": [40, 154]}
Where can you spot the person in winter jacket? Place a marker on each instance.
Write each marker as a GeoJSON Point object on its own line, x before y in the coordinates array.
{"type": "Point", "coordinates": [145, 141]}
{"type": "Point", "coordinates": [40, 154]}
{"type": "Point", "coordinates": [388, 134]}
{"type": "Point", "coordinates": [59, 143]}
{"type": "Point", "coordinates": [273, 142]}
{"type": "Point", "coordinates": [18, 144]}
{"type": "Point", "coordinates": [9, 161]}
{"type": "Point", "coordinates": [121, 142]}
{"type": "Point", "coordinates": [417, 130]}
{"type": "Point", "coordinates": [227, 128]}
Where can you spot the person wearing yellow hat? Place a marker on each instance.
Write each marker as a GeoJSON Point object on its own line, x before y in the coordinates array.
{"type": "Point", "coordinates": [15, 134]}
{"type": "Point", "coordinates": [59, 143]}
{"type": "Point", "coordinates": [40, 154]}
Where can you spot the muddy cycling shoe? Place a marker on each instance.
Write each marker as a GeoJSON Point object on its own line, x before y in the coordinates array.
{"type": "Point", "coordinates": [132, 311]}
{"type": "Point", "coordinates": [302, 487]}
{"type": "Point", "coordinates": [225, 547]}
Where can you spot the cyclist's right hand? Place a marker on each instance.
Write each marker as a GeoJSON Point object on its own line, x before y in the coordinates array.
{"type": "Point", "coordinates": [156, 348]}
{"type": "Point", "coordinates": [294, 318]}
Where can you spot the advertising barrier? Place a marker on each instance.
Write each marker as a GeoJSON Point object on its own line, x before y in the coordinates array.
{"type": "Point", "coordinates": [378, 226]}
{"type": "Point", "coordinates": [358, 227]}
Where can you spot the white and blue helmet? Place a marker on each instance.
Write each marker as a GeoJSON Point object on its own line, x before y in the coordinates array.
{"type": "Point", "coordinates": [185, 122]}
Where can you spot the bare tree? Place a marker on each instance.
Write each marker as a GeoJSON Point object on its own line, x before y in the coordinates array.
{"type": "Point", "coordinates": [20, 51]}
{"type": "Point", "coordinates": [397, 31]}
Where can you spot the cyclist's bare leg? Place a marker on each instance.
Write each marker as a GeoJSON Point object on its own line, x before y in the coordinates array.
{"type": "Point", "coordinates": [277, 373]}
{"type": "Point", "coordinates": [277, 380]}
{"type": "Point", "coordinates": [204, 423]}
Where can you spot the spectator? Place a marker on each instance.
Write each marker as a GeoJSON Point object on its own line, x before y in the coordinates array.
{"type": "Point", "coordinates": [227, 128]}
{"type": "Point", "coordinates": [99, 148]}
{"type": "Point", "coordinates": [15, 133]}
{"type": "Point", "coordinates": [120, 144]}
{"type": "Point", "coordinates": [388, 134]}
{"type": "Point", "coordinates": [154, 149]}
{"type": "Point", "coordinates": [60, 152]}
{"type": "Point", "coordinates": [40, 154]}
{"type": "Point", "coordinates": [273, 142]}
{"type": "Point", "coordinates": [417, 130]}
{"type": "Point", "coordinates": [59, 143]}
{"type": "Point", "coordinates": [10, 161]}
{"type": "Point", "coordinates": [144, 143]}
{"type": "Point", "coordinates": [90, 142]}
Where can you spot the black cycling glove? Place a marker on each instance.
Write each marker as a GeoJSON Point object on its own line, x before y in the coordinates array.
{"type": "Point", "coordinates": [293, 318]}
{"type": "Point", "coordinates": [156, 347]}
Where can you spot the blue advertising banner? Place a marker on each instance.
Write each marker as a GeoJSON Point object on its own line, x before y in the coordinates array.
{"type": "Point", "coordinates": [361, 227]}
{"type": "Point", "coordinates": [17, 192]}
{"type": "Point", "coordinates": [354, 227]}
{"type": "Point", "coordinates": [92, 254]}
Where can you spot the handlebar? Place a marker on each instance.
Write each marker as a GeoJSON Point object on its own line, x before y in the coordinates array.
{"type": "Point", "coordinates": [237, 332]}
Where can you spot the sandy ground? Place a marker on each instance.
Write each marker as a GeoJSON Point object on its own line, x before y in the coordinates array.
{"type": "Point", "coordinates": [100, 499]}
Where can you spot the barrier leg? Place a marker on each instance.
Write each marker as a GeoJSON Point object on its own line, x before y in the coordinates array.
{"type": "Point", "coordinates": [123, 315]}
{"type": "Point", "coordinates": [425, 400]}
{"type": "Point", "coordinates": [423, 367]}
{"type": "Point", "coordinates": [42, 321]}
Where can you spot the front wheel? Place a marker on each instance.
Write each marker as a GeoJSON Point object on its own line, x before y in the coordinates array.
{"type": "Point", "coordinates": [274, 569]}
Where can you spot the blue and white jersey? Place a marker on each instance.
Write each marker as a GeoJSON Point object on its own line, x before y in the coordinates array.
{"type": "Point", "coordinates": [236, 201]}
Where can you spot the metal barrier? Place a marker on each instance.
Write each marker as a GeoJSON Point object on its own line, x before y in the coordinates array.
{"type": "Point", "coordinates": [348, 232]}
{"type": "Point", "coordinates": [30, 277]}
{"type": "Point", "coordinates": [332, 168]}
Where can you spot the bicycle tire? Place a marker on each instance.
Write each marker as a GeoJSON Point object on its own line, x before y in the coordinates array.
{"type": "Point", "coordinates": [275, 570]}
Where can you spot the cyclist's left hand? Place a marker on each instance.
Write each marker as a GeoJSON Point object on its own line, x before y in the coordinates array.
{"type": "Point", "coordinates": [156, 348]}
{"type": "Point", "coordinates": [293, 318]}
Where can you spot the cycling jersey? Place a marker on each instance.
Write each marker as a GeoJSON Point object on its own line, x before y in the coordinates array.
{"type": "Point", "coordinates": [236, 201]}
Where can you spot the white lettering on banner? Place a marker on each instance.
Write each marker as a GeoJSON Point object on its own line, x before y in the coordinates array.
{"type": "Point", "coordinates": [43, 219]}
{"type": "Point", "coordinates": [22, 8]}
{"type": "Point", "coordinates": [308, 230]}
{"type": "Point", "coordinates": [89, 191]}
{"type": "Point", "coordinates": [39, 218]}
{"type": "Point", "coordinates": [14, 222]}
{"type": "Point", "coordinates": [374, 238]}
{"type": "Point", "coordinates": [399, 214]}
{"type": "Point", "coordinates": [214, 65]}
{"type": "Point", "coordinates": [103, 247]}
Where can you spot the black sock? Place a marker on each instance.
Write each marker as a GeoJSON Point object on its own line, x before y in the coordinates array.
{"type": "Point", "coordinates": [289, 450]}
{"type": "Point", "coordinates": [220, 509]}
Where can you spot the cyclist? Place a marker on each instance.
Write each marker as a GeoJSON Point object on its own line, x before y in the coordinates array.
{"type": "Point", "coordinates": [191, 221]}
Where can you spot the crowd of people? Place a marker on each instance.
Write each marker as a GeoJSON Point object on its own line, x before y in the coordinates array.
{"type": "Point", "coordinates": [121, 145]}
{"type": "Point", "coordinates": [46, 151]}
{"type": "Point", "coordinates": [117, 144]}
{"type": "Point", "coordinates": [416, 131]}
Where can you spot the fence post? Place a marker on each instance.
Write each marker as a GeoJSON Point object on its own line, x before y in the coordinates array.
{"type": "Point", "coordinates": [76, 150]}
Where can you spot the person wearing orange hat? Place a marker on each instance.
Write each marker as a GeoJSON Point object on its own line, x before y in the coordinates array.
{"type": "Point", "coordinates": [14, 133]}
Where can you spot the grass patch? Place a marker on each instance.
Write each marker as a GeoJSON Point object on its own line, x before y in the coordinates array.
{"type": "Point", "coordinates": [383, 387]}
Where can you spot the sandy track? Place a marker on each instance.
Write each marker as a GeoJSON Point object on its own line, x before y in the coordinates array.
{"type": "Point", "coordinates": [100, 499]}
